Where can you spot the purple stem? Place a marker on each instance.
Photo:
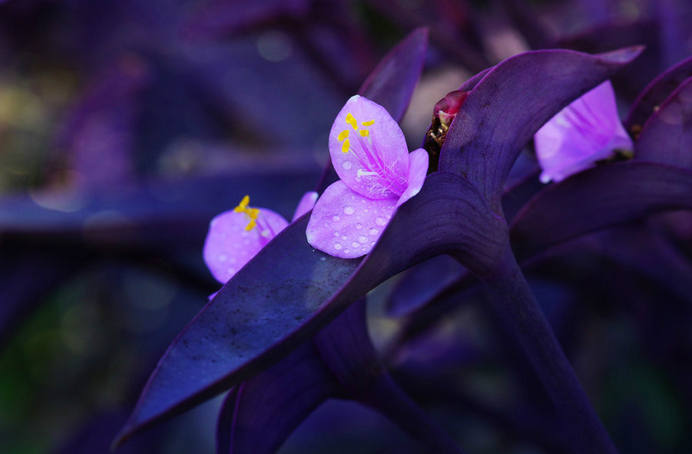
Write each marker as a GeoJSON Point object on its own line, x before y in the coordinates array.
{"type": "Point", "coordinates": [385, 396]}
{"type": "Point", "coordinates": [510, 297]}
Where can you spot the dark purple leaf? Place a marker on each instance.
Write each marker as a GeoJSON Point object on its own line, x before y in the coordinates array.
{"type": "Point", "coordinates": [156, 214]}
{"type": "Point", "coordinates": [289, 290]}
{"type": "Point", "coordinates": [511, 103]}
{"type": "Point", "coordinates": [667, 135]}
{"type": "Point", "coordinates": [607, 36]}
{"type": "Point", "coordinates": [259, 414]}
{"type": "Point", "coordinates": [392, 81]}
{"type": "Point", "coordinates": [598, 198]}
{"type": "Point", "coordinates": [647, 252]}
{"type": "Point", "coordinates": [655, 93]}
{"type": "Point", "coordinates": [423, 283]}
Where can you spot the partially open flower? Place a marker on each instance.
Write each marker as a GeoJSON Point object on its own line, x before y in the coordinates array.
{"type": "Point", "coordinates": [369, 153]}
{"type": "Point", "coordinates": [236, 236]}
{"type": "Point", "coordinates": [586, 131]}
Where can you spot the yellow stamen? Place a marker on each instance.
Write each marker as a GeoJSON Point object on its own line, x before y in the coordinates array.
{"type": "Point", "coordinates": [242, 205]}
{"type": "Point", "coordinates": [364, 132]}
{"type": "Point", "coordinates": [368, 123]}
{"type": "Point", "coordinates": [251, 213]}
{"type": "Point", "coordinates": [343, 134]}
{"type": "Point", "coordinates": [351, 120]}
{"type": "Point", "coordinates": [345, 146]}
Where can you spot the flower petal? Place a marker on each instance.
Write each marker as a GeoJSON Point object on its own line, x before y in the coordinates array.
{"type": "Point", "coordinates": [345, 224]}
{"type": "Point", "coordinates": [417, 170]}
{"type": "Point", "coordinates": [368, 150]}
{"type": "Point", "coordinates": [229, 246]}
{"type": "Point", "coordinates": [306, 203]}
{"type": "Point", "coordinates": [582, 133]}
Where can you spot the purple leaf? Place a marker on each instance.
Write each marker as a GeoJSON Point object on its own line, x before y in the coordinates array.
{"type": "Point", "coordinates": [392, 81]}
{"type": "Point", "coordinates": [272, 305]}
{"type": "Point", "coordinates": [598, 198]}
{"type": "Point", "coordinates": [259, 414]}
{"type": "Point", "coordinates": [655, 93]}
{"type": "Point", "coordinates": [423, 283]}
{"type": "Point", "coordinates": [667, 135]}
{"type": "Point", "coordinates": [508, 106]}
{"type": "Point", "coordinates": [150, 215]}
{"type": "Point", "coordinates": [608, 36]}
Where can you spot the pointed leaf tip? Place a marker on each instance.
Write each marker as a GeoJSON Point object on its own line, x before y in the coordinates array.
{"type": "Point", "coordinates": [392, 81]}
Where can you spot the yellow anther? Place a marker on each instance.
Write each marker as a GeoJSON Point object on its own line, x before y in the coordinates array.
{"type": "Point", "coordinates": [343, 134]}
{"type": "Point", "coordinates": [242, 206]}
{"type": "Point", "coordinates": [364, 132]}
{"type": "Point", "coordinates": [368, 123]}
{"type": "Point", "coordinates": [351, 120]}
{"type": "Point", "coordinates": [251, 213]}
{"type": "Point", "coordinates": [345, 146]}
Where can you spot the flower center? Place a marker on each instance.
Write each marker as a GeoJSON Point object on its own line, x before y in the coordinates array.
{"type": "Point", "coordinates": [255, 220]}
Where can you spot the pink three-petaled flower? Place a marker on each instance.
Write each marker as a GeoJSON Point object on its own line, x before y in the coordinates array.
{"type": "Point", "coordinates": [369, 153]}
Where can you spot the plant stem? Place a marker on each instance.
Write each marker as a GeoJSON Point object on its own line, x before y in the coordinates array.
{"type": "Point", "coordinates": [385, 396]}
{"type": "Point", "coordinates": [510, 296]}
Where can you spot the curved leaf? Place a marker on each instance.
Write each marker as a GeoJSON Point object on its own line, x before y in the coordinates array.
{"type": "Point", "coordinates": [259, 415]}
{"type": "Point", "coordinates": [272, 305]}
{"type": "Point", "coordinates": [156, 214]}
{"type": "Point", "coordinates": [510, 104]}
{"type": "Point", "coordinates": [655, 93]}
{"type": "Point", "coordinates": [598, 198]}
{"type": "Point", "coordinates": [667, 135]}
{"type": "Point", "coordinates": [392, 81]}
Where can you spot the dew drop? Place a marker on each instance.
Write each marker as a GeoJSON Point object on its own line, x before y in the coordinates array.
{"type": "Point", "coordinates": [373, 231]}
{"type": "Point", "coordinates": [362, 239]}
{"type": "Point", "coordinates": [346, 251]}
{"type": "Point", "coordinates": [349, 210]}
{"type": "Point", "coordinates": [223, 257]}
{"type": "Point", "coordinates": [336, 234]}
{"type": "Point", "coordinates": [337, 246]}
{"type": "Point", "coordinates": [355, 245]}
{"type": "Point", "coordinates": [346, 165]}
{"type": "Point", "coordinates": [359, 226]}
{"type": "Point", "coordinates": [336, 218]}
{"type": "Point", "coordinates": [380, 221]}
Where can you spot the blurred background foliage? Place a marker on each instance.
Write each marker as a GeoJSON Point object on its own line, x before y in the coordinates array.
{"type": "Point", "coordinates": [99, 99]}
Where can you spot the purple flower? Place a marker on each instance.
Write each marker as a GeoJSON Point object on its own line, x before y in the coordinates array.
{"type": "Point", "coordinates": [369, 153]}
{"type": "Point", "coordinates": [236, 236]}
{"type": "Point", "coordinates": [582, 133]}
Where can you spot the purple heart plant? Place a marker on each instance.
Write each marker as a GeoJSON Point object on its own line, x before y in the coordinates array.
{"type": "Point", "coordinates": [288, 329]}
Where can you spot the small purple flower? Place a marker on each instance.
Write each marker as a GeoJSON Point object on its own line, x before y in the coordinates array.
{"type": "Point", "coordinates": [582, 133]}
{"type": "Point", "coordinates": [369, 153]}
{"type": "Point", "coordinates": [236, 236]}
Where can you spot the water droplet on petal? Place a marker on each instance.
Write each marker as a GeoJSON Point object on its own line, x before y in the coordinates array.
{"type": "Point", "coordinates": [223, 257]}
{"type": "Point", "coordinates": [359, 226]}
{"type": "Point", "coordinates": [337, 246]}
{"type": "Point", "coordinates": [362, 239]}
{"type": "Point", "coordinates": [373, 232]}
{"type": "Point", "coordinates": [336, 218]}
{"type": "Point", "coordinates": [336, 234]}
{"type": "Point", "coordinates": [380, 221]}
{"type": "Point", "coordinates": [349, 210]}
{"type": "Point", "coordinates": [346, 165]}
{"type": "Point", "coordinates": [355, 245]}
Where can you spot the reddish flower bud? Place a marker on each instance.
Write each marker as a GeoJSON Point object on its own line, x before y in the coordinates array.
{"type": "Point", "coordinates": [443, 113]}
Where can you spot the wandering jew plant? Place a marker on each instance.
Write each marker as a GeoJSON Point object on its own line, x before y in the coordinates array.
{"type": "Point", "coordinates": [287, 330]}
